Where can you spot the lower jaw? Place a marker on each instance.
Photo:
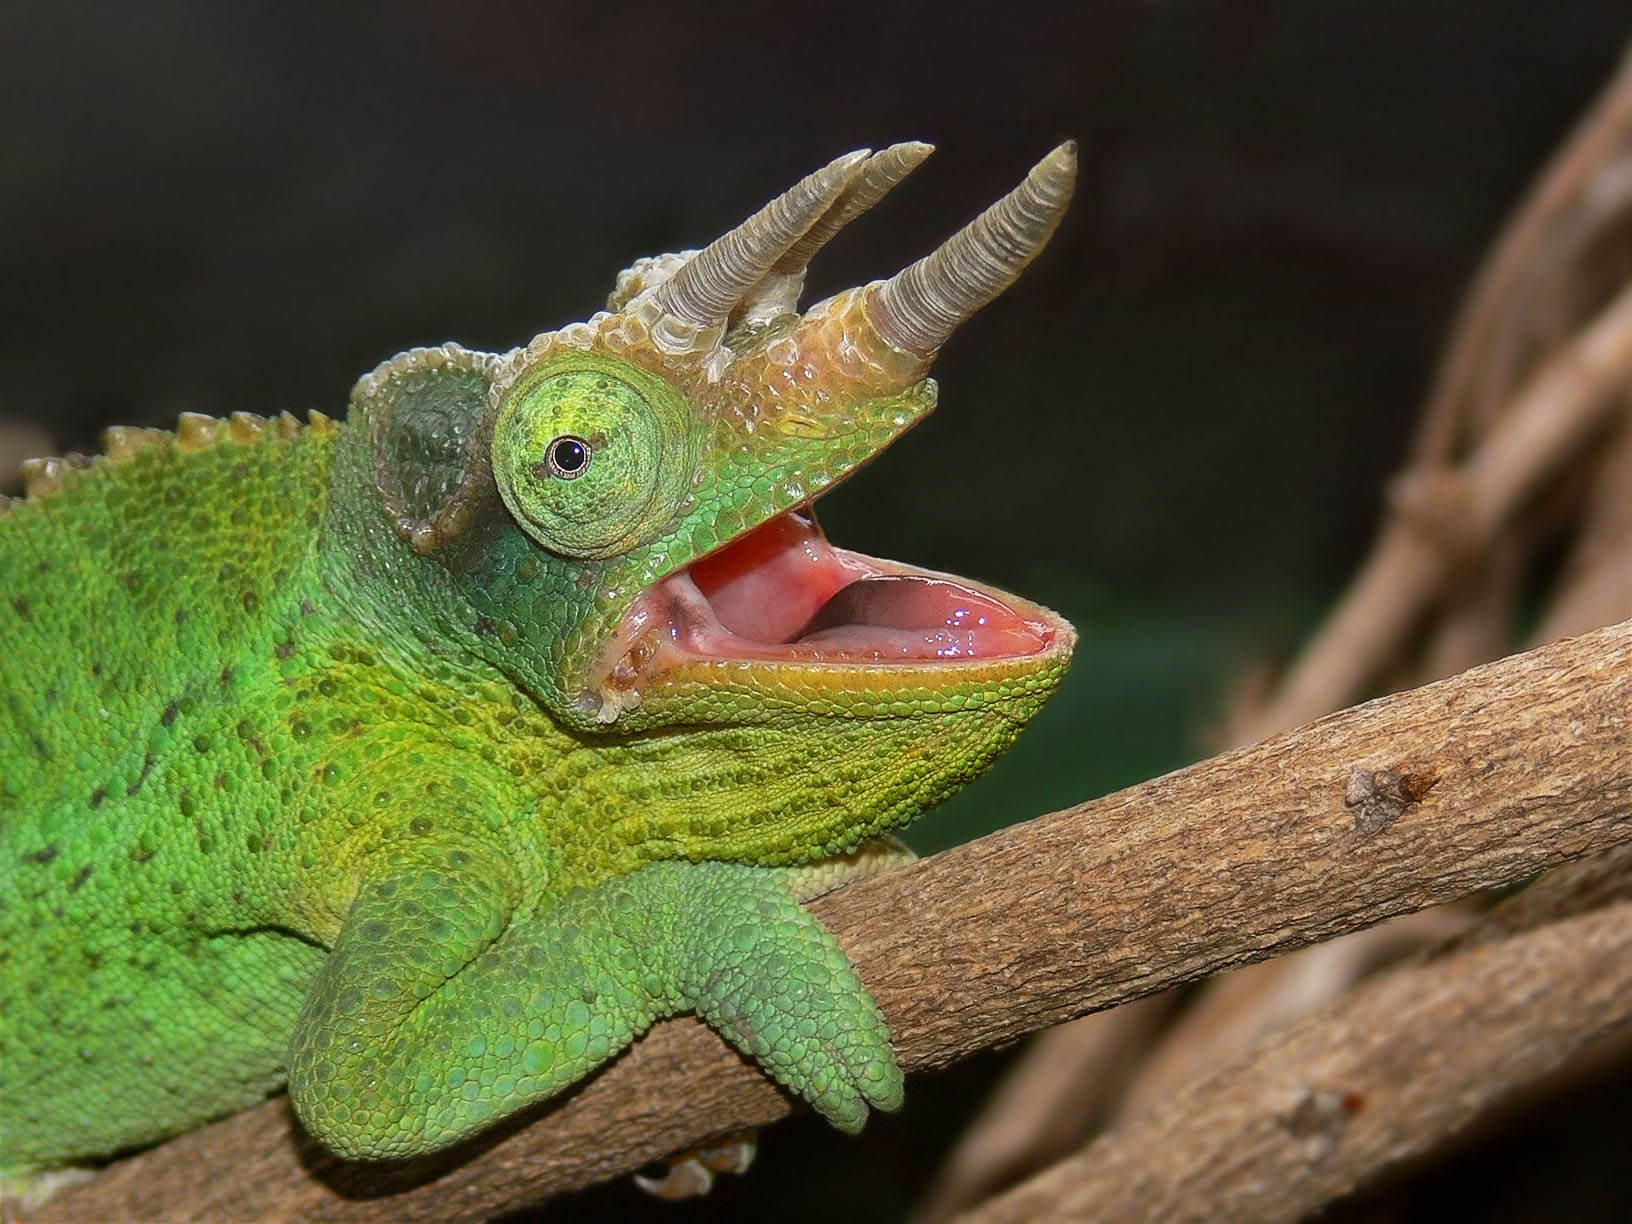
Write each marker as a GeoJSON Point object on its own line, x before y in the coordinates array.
{"type": "Point", "coordinates": [744, 692]}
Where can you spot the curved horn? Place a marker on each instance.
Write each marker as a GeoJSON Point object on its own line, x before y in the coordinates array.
{"type": "Point", "coordinates": [704, 291]}
{"type": "Point", "coordinates": [920, 306]}
{"type": "Point", "coordinates": [876, 179]}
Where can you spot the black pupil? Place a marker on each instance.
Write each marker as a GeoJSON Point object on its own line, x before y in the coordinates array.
{"type": "Point", "coordinates": [569, 454]}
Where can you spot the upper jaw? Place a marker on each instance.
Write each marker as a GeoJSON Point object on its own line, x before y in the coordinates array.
{"type": "Point", "coordinates": [781, 598]}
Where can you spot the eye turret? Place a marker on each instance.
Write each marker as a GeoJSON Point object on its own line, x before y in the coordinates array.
{"type": "Point", "coordinates": [591, 454]}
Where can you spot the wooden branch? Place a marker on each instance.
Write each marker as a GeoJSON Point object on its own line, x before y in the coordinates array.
{"type": "Point", "coordinates": [1235, 1011]}
{"type": "Point", "coordinates": [1064, 1082]}
{"type": "Point", "coordinates": [1409, 801]}
{"type": "Point", "coordinates": [1115, 1064]}
{"type": "Point", "coordinates": [1383, 1074]}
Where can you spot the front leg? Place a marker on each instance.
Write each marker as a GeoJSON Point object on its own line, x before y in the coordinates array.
{"type": "Point", "coordinates": [775, 983]}
{"type": "Point", "coordinates": [451, 1000]}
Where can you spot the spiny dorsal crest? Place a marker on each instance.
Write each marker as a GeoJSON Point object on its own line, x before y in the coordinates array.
{"type": "Point", "coordinates": [194, 431]}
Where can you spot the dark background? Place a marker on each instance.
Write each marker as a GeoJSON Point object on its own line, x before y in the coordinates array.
{"type": "Point", "coordinates": [1175, 428]}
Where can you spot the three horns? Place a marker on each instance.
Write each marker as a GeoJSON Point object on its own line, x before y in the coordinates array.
{"type": "Point", "coordinates": [917, 309]}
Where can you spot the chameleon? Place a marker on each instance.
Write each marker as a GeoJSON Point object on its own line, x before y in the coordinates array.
{"type": "Point", "coordinates": [417, 762]}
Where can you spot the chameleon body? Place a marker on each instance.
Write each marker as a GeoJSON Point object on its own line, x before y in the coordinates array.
{"type": "Point", "coordinates": [420, 762]}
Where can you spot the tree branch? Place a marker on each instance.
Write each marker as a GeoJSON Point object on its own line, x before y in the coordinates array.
{"type": "Point", "coordinates": [1322, 1106]}
{"type": "Point", "coordinates": [1416, 799]}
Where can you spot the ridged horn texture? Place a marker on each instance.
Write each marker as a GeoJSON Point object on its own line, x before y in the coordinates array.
{"type": "Point", "coordinates": [711, 283]}
{"type": "Point", "coordinates": [876, 179]}
{"type": "Point", "coordinates": [920, 306]}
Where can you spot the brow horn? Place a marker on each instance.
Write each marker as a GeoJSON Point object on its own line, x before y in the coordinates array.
{"type": "Point", "coordinates": [876, 179]}
{"type": "Point", "coordinates": [711, 283]}
{"type": "Point", "coordinates": [920, 306]}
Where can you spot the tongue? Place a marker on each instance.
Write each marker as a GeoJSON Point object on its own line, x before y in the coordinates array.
{"type": "Point", "coordinates": [900, 616]}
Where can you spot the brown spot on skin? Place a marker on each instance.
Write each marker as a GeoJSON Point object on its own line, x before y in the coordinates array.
{"type": "Point", "coordinates": [98, 795]}
{"type": "Point", "coordinates": [285, 648]}
{"type": "Point", "coordinates": [45, 854]}
{"type": "Point", "coordinates": [81, 876]}
{"type": "Point", "coordinates": [170, 712]}
{"type": "Point", "coordinates": [225, 678]}
{"type": "Point", "coordinates": [307, 608]}
{"type": "Point", "coordinates": [1380, 797]}
{"type": "Point", "coordinates": [21, 607]}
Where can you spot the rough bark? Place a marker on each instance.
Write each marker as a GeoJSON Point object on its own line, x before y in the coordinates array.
{"type": "Point", "coordinates": [1378, 1077]}
{"type": "Point", "coordinates": [1409, 801]}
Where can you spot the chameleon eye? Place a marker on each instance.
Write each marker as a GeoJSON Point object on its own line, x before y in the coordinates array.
{"type": "Point", "coordinates": [590, 454]}
{"type": "Point", "coordinates": [568, 457]}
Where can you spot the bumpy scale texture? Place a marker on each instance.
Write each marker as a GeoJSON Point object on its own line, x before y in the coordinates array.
{"type": "Point", "coordinates": [315, 769]}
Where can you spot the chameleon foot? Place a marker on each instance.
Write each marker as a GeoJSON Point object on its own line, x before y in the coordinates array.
{"type": "Point", "coordinates": [690, 1174]}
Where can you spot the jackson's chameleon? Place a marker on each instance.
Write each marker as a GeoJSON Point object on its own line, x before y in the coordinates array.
{"type": "Point", "coordinates": [421, 761]}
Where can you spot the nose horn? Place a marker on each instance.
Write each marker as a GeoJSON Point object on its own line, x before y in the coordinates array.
{"type": "Point", "coordinates": [919, 307]}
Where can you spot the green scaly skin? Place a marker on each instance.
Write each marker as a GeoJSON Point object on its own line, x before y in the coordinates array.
{"type": "Point", "coordinates": [306, 780]}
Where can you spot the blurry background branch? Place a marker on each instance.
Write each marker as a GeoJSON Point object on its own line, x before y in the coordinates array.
{"type": "Point", "coordinates": [1535, 386]}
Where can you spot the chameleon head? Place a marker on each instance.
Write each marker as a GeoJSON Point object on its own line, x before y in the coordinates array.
{"type": "Point", "coordinates": [660, 461]}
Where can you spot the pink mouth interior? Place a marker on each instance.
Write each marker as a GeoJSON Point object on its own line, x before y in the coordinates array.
{"type": "Point", "coordinates": [783, 593]}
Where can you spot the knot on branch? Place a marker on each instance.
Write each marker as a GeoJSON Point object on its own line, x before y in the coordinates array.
{"type": "Point", "coordinates": [1319, 1116]}
{"type": "Point", "coordinates": [1379, 797]}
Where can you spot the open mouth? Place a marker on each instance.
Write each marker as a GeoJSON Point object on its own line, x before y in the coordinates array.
{"type": "Point", "coordinates": [782, 594]}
